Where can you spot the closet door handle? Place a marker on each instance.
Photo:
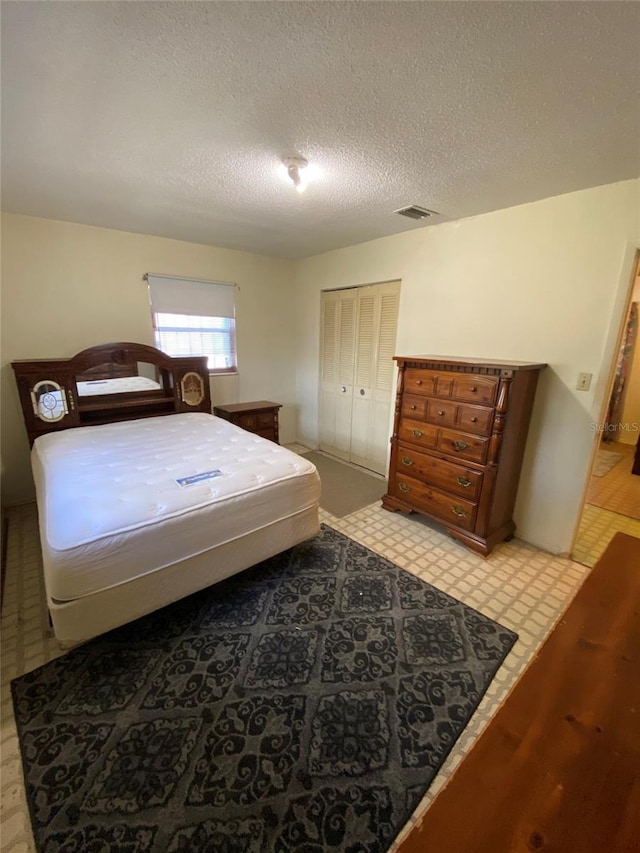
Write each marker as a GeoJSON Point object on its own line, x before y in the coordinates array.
{"type": "Point", "coordinates": [403, 487]}
{"type": "Point", "coordinates": [464, 481]}
{"type": "Point", "coordinates": [344, 389]}
{"type": "Point", "coordinates": [460, 445]}
{"type": "Point", "coordinates": [406, 461]}
{"type": "Point", "coordinates": [362, 392]}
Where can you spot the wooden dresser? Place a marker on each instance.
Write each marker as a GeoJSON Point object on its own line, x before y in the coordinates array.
{"type": "Point", "coordinates": [458, 440]}
{"type": "Point", "coordinates": [260, 417]}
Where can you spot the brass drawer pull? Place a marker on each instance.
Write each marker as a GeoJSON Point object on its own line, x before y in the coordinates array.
{"type": "Point", "coordinates": [403, 487]}
{"type": "Point", "coordinates": [462, 513]}
{"type": "Point", "coordinates": [460, 445]}
{"type": "Point", "coordinates": [407, 461]}
{"type": "Point", "coordinates": [464, 481]}
{"type": "Point", "coordinates": [418, 381]}
{"type": "Point", "coordinates": [441, 413]}
{"type": "Point", "coordinates": [413, 408]}
{"type": "Point", "coordinates": [418, 433]}
{"type": "Point", "coordinates": [473, 420]}
{"type": "Point", "coordinates": [473, 389]}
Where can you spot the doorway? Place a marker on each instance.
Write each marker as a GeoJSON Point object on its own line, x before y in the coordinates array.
{"type": "Point", "coordinates": [612, 501]}
{"type": "Point", "coordinates": [357, 342]}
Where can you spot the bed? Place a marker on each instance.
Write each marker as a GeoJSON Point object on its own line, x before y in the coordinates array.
{"type": "Point", "coordinates": [137, 510]}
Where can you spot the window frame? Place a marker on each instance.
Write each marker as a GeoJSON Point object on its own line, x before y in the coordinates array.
{"type": "Point", "coordinates": [206, 299]}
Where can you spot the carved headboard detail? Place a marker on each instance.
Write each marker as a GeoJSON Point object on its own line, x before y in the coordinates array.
{"type": "Point", "coordinates": [109, 383]}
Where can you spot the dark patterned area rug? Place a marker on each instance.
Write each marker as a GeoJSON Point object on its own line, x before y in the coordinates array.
{"type": "Point", "coordinates": [304, 705]}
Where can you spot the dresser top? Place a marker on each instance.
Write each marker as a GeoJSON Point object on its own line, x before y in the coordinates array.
{"type": "Point", "coordinates": [469, 362]}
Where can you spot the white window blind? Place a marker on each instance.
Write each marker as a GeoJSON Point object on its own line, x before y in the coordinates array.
{"type": "Point", "coordinates": [194, 317]}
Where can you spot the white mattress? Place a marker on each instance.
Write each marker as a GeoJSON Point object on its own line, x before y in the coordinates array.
{"type": "Point", "coordinates": [111, 508]}
{"type": "Point", "coordinates": [119, 385]}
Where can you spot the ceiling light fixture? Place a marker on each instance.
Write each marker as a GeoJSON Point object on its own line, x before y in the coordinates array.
{"type": "Point", "coordinates": [295, 166]}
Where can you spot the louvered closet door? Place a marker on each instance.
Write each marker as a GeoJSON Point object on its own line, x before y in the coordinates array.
{"type": "Point", "coordinates": [338, 331]}
{"type": "Point", "coordinates": [358, 333]}
{"type": "Point", "coordinates": [374, 371]}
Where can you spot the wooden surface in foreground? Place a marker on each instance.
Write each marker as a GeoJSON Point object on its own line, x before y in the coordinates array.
{"type": "Point", "coordinates": [558, 768]}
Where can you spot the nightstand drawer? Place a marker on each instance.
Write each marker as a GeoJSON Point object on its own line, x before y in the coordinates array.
{"type": "Point", "coordinates": [248, 422]}
{"type": "Point", "coordinates": [260, 418]}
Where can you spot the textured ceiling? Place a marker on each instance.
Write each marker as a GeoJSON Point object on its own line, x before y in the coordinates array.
{"type": "Point", "coordinates": [172, 118]}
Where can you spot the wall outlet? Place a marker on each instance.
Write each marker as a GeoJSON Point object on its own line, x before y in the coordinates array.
{"type": "Point", "coordinates": [584, 381]}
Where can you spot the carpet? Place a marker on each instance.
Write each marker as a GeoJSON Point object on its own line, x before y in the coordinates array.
{"type": "Point", "coordinates": [302, 706]}
{"type": "Point", "coordinates": [345, 489]}
{"type": "Point", "coordinates": [605, 461]}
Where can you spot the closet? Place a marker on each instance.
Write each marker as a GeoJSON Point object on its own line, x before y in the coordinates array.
{"type": "Point", "coordinates": [357, 337]}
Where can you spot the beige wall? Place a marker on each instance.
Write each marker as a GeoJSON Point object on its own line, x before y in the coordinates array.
{"type": "Point", "coordinates": [545, 281]}
{"type": "Point", "coordinates": [539, 282]}
{"type": "Point", "coordinates": [66, 287]}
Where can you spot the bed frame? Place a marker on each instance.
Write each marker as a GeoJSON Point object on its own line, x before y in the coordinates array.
{"type": "Point", "coordinates": [183, 381]}
{"type": "Point", "coordinates": [50, 401]}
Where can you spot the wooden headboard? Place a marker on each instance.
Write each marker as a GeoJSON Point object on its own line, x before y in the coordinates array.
{"type": "Point", "coordinates": [86, 389]}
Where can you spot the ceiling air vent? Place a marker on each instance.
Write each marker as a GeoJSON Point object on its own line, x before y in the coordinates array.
{"type": "Point", "coordinates": [416, 212]}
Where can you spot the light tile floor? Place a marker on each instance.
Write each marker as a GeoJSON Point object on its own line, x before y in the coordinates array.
{"type": "Point", "coordinates": [597, 528]}
{"type": "Point", "coordinates": [619, 489]}
{"type": "Point", "coordinates": [613, 506]}
{"type": "Point", "coordinates": [524, 589]}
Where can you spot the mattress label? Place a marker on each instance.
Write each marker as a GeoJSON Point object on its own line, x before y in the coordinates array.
{"type": "Point", "coordinates": [198, 478]}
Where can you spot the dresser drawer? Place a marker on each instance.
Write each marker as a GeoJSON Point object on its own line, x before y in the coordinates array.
{"type": "Point", "coordinates": [436, 472]}
{"type": "Point", "coordinates": [439, 412]}
{"type": "Point", "coordinates": [475, 389]}
{"type": "Point", "coordinates": [461, 444]}
{"type": "Point", "coordinates": [418, 432]}
{"type": "Point", "coordinates": [419, 381]}
{"type": "Point", "coordinates": [453, 510]}
{"type": "Point", "coordinates": [414, 407]}
{"type": "Point", "coordinates": [474, 419]}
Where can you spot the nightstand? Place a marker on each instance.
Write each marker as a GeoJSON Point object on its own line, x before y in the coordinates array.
{"type": "Point", "coordinates": [260, 417]}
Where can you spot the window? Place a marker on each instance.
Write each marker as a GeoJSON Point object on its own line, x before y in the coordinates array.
{"type": "Point", "coordinates": [183, 334]}
{"type": "Point", "coordinates": [194, 317]}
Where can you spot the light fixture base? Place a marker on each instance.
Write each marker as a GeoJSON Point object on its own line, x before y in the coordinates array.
{"type": "Point", "coordinates": [294, 166]}
{"type": "Point", "coordinates": [296, 162]}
